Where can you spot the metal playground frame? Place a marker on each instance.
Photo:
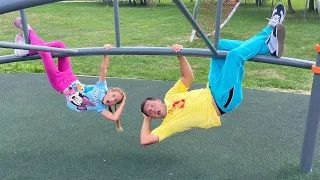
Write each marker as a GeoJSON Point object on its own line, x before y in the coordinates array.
{"type": "Point", "coordinates": [313, 119]}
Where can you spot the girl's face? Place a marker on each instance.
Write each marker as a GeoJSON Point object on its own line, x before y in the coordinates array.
{"type": "Point", "coordinates": [112, 98]}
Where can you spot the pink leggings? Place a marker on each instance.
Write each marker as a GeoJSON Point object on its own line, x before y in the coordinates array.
{"type": "Point", "coordinates": [60, 78]}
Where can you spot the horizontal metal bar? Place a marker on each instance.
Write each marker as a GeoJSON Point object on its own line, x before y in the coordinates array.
{"type": "Point", "coordinates": [165, 51]}
{"type": "Point", "coordinates": [11, 45]}
{"type": "Point", "coordinates": [14, 5]}
{"type": "Point", "coordinates": [284, 61]}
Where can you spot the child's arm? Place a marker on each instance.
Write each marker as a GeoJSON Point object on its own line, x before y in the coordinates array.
{"type": "Point", "coordinates": [146, 138]}
{"type": "Point", "coordinates": [116, 115]}
{"type": "Point", "coordinates": [185, 69]}
{"type": "Point", "coordinates": [104, 64]}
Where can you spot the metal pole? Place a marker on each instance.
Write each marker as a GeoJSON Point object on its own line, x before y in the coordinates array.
{"type": "Point", "coordinates": [305, 10]}
{"type": "Point", "coordinates": [4, 44]}
{"type": "Point", "coordinates": [305, 64]}
{"type": "Point", "coordinates": [271, 8]}
{"type": "Point", "coordinates": [24, 26]}
{"type": "Point", "coordinates": [218, 22]}
{"type": "Point", "coordinates": [117, 21]}
{"type": "Point", "coordinates": [14, 5]}
{"type": "Point", "coordinates": [195, 25]}
{"type": "Point", "coordinates": [312, 124]}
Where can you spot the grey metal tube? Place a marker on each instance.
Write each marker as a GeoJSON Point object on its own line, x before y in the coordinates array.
{"type": "Point", "coordinates": [195, 25]}
{"type": "Point", "coordinates": [195, 9]}
{"type": "Point", "coordinates": [24, 26]}
{"type": "Point", "coordinates": [14, 5]}
{"type": "Point", "coordinates": [117, 22]}
{"type": "Point", "coordinates": [312, 124]}
{"type": "Point", "coordinates": [218, 22]}
{"type": "Point", "coordinates": [285, 61]}
{"type": "Point", "coordinates": [271, 11]}
{"type": "Point", "coordinates": [305, 10]}
{"type": "Point", "coordinates": [4, 44]}
{"type": "Point", "coordinates": [164, 51]}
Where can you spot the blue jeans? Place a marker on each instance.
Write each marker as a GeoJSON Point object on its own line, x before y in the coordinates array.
{"type": "Point", "coordinates": [226, 75]}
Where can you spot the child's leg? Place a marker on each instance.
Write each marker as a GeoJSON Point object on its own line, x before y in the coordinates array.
{"type": "Point", "coordinates": [227, 85]}
{"type": "Point", "coordinates": [47, 60]}
{"type": "Point", "coordinates": [63, 62]}
{"type": "Point", "coordinates": [59, 80]}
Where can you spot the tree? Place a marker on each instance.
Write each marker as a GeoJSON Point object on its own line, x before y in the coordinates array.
{"type": "Point", "coordinates": [258, 2]}
{"type": "Point", "coordinates": [311, 5]}
{"type": "Point", "coordinates": [290, 7]}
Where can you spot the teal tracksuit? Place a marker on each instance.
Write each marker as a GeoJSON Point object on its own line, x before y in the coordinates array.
{"type": "Point", "coordinates": [225, 75]}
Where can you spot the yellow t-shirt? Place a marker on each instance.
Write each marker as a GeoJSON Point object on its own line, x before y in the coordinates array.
{"type": "Point", "coordinates": [187, 109]}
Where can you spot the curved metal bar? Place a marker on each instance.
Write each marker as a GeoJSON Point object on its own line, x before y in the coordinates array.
{"type": "Point", "coordinates": [14, 5]}
{"type": "Point", "coordinates": [117, 22]}
{"type": "Point", "coordinates": [24, 26]}
{"type": "Point", "coordinates": [4, 44]}
{"type": "Point", "coordinates": [305, 64]}
{"type": "Point", "coordinates": [284, 61]}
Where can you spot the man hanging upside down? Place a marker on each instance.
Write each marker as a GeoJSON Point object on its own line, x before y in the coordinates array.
{"type": "Point", "coordinates": [183, 109]}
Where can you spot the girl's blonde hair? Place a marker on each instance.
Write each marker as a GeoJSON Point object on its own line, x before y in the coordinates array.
{"type": "Point", "coordinates": [119, 90]}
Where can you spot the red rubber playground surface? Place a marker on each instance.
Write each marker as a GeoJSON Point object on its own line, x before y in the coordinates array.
{"type": "Point", "coordinates": [42, 139]}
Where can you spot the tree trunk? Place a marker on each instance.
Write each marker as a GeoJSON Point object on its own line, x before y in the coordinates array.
{"type": "Point", "coordinates": [290, 7]}
{"type": "Point", "coordinates": [258, 2]}
{"type": "Point", "coordinates": [311, 5]}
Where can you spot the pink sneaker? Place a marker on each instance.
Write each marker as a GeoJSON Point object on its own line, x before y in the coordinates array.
{"type": "Point", "coordinates": [20, 40]}
{"type": "Point", "coordinates": [17, 23]}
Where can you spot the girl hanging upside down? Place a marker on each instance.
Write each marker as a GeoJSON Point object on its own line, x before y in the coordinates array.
{"type": "Point", "coordinates": [79, 97]}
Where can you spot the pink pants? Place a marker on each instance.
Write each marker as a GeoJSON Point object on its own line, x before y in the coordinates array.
{"type": "Point", "coordinates": [60, 78]}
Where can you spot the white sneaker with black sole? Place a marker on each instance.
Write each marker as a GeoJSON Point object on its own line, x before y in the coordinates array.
{"type": "Point", "coordinates": [276, 41]}
{"type": "Point", "coordinates": [277, 16]}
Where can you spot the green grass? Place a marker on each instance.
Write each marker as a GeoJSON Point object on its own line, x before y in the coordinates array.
{"type": "Point", "coordinates": [92, 25]}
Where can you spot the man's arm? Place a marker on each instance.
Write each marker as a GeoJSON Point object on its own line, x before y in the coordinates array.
{"type": "Point", "coordinates": [146, 138]}
{"type": "Point", "coordinates": [185, 71]}
{"type": "Point", "coordinates": [104, 64]}
{"type": "Point", "coordinates": [185, 68]}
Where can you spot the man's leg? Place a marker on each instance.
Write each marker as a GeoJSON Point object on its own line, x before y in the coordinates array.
{"type": "Point", "coordinates": [227, 89]}
{"type": "Point", "coordinates": [216, 64]}
{"type": "Point", "coordinates": [234, 46]}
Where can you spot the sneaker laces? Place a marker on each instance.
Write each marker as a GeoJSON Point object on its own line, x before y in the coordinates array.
{"type": "Point", "coordinates": [275, 19]}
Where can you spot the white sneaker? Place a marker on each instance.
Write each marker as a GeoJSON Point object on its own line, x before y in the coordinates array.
{"type": "Point", "coordinates": [276, 41]}
{"type": "Point", "coordinates": [278, 15]}
{"type": "Point", "coordinates": [20, 40]}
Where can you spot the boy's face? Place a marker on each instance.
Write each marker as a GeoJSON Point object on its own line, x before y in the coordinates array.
{"type": "Point", "coordinates": [155, 108]}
